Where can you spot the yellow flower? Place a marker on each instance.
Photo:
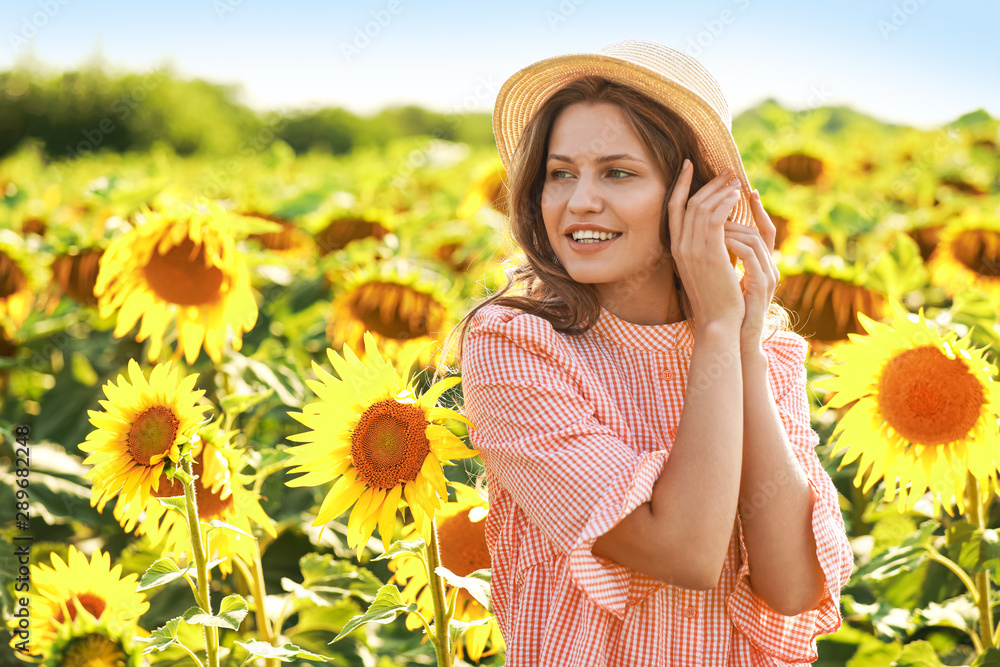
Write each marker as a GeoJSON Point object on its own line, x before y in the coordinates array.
{"type": "Point", "coordinates": [179, 263]}
{"type": "Point", "coordinates": [968, 256]}
{"type": "Point", "coordinates": [141, 429]}
{"type": "Point", "coordinates": [489, 189]}
{"type": "Point", "coordinates": [68, 592]}
{"type": "Point", "coordinates": [380, 441]}
{"type": "Point", "coordinates": [404, 309]}
{"type": "Point", "coordinates": [462, 542]}
{"type": "Point", "coordinates": [924, 410]}
{"type": "Point", "coordinates": [221, 494]}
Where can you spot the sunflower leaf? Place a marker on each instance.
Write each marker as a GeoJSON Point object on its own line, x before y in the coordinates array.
{"type": "Point", "coordinates": [458, 628]}
{"type": "Point", "coordinates": [232, 611]}
{"type": "Point", "coordinates": [175, 503]}
{"type": "Point", "coordinates": [972, 547]}
{"type": "Point", "coordinates": [918, 653]}
{"type": "Point", "coordinates": [159, 573]}
{"type": "Point", "coordinates": [284, 653]}
{"type": "Point", "coordinates": [989, 658]}
{"type": "Point", "coordinates": [215, 523]}
{"type": "Point", "coordinates": [161, 638]}
{"type": "Point", "coordinates": [477, 584]}
{"type": "Point", "coordinates": [333, 578]}
{"type": "Point", "coordinates": [415, 547]}
{"type": "Point", "coordinates": [387, 605]}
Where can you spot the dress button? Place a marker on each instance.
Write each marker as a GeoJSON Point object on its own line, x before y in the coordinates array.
{"type": "Point", "coordinates": [690, 611]}
{"type": "Point", "coordinates": [667, 374]}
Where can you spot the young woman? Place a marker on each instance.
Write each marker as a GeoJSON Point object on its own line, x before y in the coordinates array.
{"type": "Point", "coordinates": [640, 408]}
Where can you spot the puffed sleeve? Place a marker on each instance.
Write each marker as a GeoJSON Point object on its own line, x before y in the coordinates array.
{"type": "Point", "coordinates": [793, 638]}
{"type": "Point", "coordinates": [538, 425]}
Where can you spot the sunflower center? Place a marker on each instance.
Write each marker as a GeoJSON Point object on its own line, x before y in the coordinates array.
{"type": "Point", "coordinates": [210, 505]}
{"type": "Point", "coordinates": [76, 275]}
{"type": "Point", "coordinates": [826, 307]}
{"type": "Point", "coordinates": [152, 434]}
{"type": "Point", "coordinates": [396, 311]}
{"type": "Point", "coordinates": [93, 650]}
{"type": "Point", "coordinates": [93, 603]}
{"type": "Point", "coordinates": [339, 233]}
{"type": "Point", "coordinates": [463, 544]}
{"type": "Point", "coordinates": [799, 168]}
{"type": "Point", "coordinates": [390, 443]}
{"type": "Point", "coordinates": [183, 275]}
{"type": "Point", "coordinates": [928, 398]}
{"type": "Point", "coordinates": [12, 279]}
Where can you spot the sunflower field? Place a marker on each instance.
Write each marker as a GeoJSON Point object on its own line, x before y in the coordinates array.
{"type": "Point", "coordinates": [232, 427]}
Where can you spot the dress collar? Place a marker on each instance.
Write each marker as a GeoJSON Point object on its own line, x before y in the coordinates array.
{"type": "Point", "coordinates": [677, 335]}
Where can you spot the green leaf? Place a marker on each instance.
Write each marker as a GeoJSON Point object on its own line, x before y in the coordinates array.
{"type": "Point", "coordinates": [988, 658]}
{"type": "Point", "coordinates": [215, 523]}
{"type": "Point", "coordinates": [415, 547]}
{"type": "Point", "coordinates": [175, 503]}
{"type": "Point", "coordinates": [973, 548]}
{"type": "Point", "coordinates": [232, 611]}
{"type": "Point", "coordinates": [918, 654]}
{"type": "Point", "coordinates": [477, 584]}
{"type": "Point", "coordinates": [904, 558]}
{"type": "Point", "coordinates": [283, 653]}
{"type": "Point", "coordinates": [458, 628]}
{"type": "Point", "coordinates": [329, 576]}
{"type": "Point", "coordinates": [236, 404]}
{"type": "Point", "coordinates": [387, 605]}
{"type": "Point", "coordinates": [159, 573]}
{"type": "Point", "coordinates": [960, 612]}
{"type": "Point", "coordinates": [162, 637]}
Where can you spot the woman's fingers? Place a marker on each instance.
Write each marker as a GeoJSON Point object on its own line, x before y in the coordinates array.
{"type": "Point", "coordinates": [765, 272]}
{"type": "Point", "coordinates": [675, 205]}
{"type": "Point", "coordinates": [762, 220]}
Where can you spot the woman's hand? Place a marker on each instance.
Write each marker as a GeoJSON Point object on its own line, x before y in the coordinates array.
{"type": "Point", "coordinates": [698, 246]}
{"type": "Point", "coordinates": [754, 246]}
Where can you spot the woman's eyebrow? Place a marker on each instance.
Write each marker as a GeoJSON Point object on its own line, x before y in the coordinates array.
{"type": "Point", "coordinates": [601, 160]}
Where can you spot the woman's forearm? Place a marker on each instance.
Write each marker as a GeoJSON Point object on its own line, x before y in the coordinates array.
{"type": "Point", "coordinates": [682, 535]}
{"type": "Point", "coordinates": [776, 502]}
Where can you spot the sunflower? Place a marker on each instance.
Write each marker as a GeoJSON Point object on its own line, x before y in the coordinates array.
{"type": "Point", "coordinates": [16, 296]}
{"type": "Point", "coordinates": [827, 302]}
{"type": "Point", "coordinates": [67, 592]}
{"type": "Point", "coordinates": [380, 441]}
{"type": "Point", "coordinates": [489, 189]}
{"type": "Point", "coordinates": [221, 494]}
{"type": "Point", "coordinates": [924, 409]}
{"type": "Point", "coordinates": [142, 428]}
{"type": "Point", "coordinates": [462, 541]}
{"type": "Point", "coordinates": [403, 307]}
{"type": "Point", "coordinates": [968, 256]}
{"type": "Point", "coordinates": [341, 231]}
{"type": "Point", "coordinates": [180, 262]}
{"type": "Point", "coordinates": [89, 645]}
{"type": "Point", "coordinates": [74, 274]}
{"type": "Point", "coordinates": [289, 241]}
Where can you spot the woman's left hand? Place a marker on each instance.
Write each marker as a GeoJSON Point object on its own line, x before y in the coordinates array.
{"type": "Point", "coordinates": [754, 246]}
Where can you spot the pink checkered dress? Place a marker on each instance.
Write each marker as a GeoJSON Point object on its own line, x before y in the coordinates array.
{"type": "Point", "coordinates": [573, 432]}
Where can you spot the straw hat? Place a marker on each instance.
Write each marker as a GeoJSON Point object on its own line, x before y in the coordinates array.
{"type": "Point", "coordinates": [670, 77]}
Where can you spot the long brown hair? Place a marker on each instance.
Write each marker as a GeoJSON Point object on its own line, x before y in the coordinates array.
{"type": "Point", "coordinates": [537, 283]}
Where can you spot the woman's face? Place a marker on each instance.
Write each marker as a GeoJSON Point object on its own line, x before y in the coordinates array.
{"type": "Point", "coordinates": [601, 181]}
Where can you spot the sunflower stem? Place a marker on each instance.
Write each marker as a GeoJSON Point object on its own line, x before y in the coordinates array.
{"type": "Point", "coordinates": [255, 581]}
{"type": "Point", "coordinates": [442, 640]}
{"type": "Point", "coordinates": [201, 563]}
{"type": "Point", "coordinates": [976, 516]}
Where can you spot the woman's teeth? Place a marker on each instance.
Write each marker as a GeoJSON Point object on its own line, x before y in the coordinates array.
{"type": "Point", "coordinates": [588, 236]}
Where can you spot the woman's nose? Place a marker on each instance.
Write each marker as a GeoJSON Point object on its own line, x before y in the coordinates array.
{"type": "Point", "coordinates": [586, 196]}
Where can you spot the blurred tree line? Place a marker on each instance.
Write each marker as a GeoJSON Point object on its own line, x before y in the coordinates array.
{"type": "Point", "coordinates": [79, 112]}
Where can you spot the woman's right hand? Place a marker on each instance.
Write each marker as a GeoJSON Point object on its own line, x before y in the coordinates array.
{"type": "Point", "coordinates": [698, 248]}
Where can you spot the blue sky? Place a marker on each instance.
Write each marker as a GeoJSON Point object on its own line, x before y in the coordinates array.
{"type": "Point", "coordinates": [920, 62]}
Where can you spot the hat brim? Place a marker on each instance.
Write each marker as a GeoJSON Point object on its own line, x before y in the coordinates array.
{"type": "Point", "coordinates": [529, 88]}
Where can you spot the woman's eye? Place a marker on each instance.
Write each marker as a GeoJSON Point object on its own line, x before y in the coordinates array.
{"type": "Point", "coordinates": [558, 173]}
{"type": "Point", "coordinates": [621, 173]}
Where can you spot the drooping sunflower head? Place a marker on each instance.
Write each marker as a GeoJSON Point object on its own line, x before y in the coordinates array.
{"type": "Point", "coordinates": [179, 263]}
{"type": "Point", "coordinates": [221, 493]}
{"type": "Point", "coordinates": [74, 274]}
{"type": "Point", "coordinates": [826, 302]}
{"type": "Point", "coordinates": [287, 241]}
{"type": "Point", "coordinates": [968, 255]}
{"type": "Point", "coordinates": [342, 231]}
{"type": "Point", "coordinates": [140, 431]}
{"type": "Point", "coordinates": [405, 308]}
{"type": "Point", "coordinates": [378, 440]}
{"type": "Point", "coordinates": [923, 413]}
{"type": "Point", "coordinates": [461, 530]}
{"type": "Point", "coordinates": [73, 597]}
